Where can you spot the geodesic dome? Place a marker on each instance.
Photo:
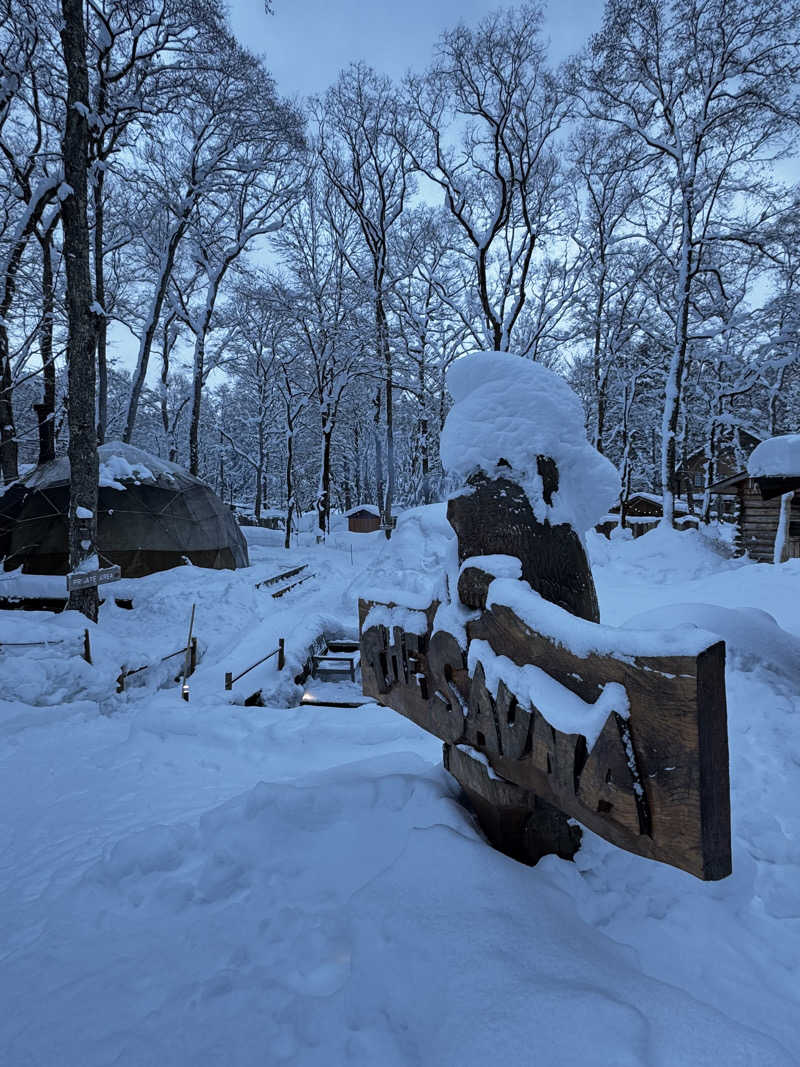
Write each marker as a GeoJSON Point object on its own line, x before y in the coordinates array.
{"type": "Point", "coordinates": [152, 515]}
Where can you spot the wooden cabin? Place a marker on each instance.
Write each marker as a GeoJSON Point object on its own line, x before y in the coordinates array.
{"type": "Point", "coordinates": [270, 519]}
{"type": "Point", "coordinates": [365, 518]}
{"type": "Point", "coordinates": [727, 463]}
{"type": "Point", "coordinates": [758, 510]}
{"type": "Point", "coordinates": [644, 513]}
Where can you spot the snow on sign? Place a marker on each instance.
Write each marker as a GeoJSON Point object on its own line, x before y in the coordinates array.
{"type": "Point", "coordinates": [87, 579]}
{"type": "Point", "coordinates": [546, 715]}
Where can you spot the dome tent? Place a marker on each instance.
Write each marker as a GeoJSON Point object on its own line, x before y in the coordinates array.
{"type": "Point", "coordinates": [152, 515]}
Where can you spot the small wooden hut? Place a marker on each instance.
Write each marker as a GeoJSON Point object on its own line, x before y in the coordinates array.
{"type": "Point", "coordinates": [364, 518]}
{"type": "Point", "coordinates": [758, 513]}
{"type": "Point", "coordinates": [644, 512]}
{"type": "Point", "coordinates": [768, 495]}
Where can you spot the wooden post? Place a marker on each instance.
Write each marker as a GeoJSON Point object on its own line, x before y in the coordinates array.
{"type": "Point", "coordinates": [186, 671]}
{"type": "Point", "coordinates": [228, 680]}
{"type": "Point", "coordinates": [281, 654]}
{"type": "Point", "coordinates": [87, 647]}
{"type": "Point", "coordinates": [193, 656]}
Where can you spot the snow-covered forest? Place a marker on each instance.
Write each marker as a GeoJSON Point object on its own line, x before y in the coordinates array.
{"type": "Point", "coordinates": [400, 536]}
{"type": "Point", "coordinates": [279, 286]}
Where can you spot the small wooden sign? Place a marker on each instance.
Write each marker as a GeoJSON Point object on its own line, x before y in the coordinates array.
{"type": "Point", "coordinates": [88, 579]}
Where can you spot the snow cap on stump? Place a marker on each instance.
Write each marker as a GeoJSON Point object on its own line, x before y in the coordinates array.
{"type": "Point", "coordinates": [507, 412]}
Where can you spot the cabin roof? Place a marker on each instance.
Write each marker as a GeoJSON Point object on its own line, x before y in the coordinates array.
{"type": "Point", "coordinates": [768, 487]}
{"type": "Point", "coordinates": [362, 509]}
{"type": "Point", "coordinates": [653, 500]}
{"type": "Point", "coordinates": [748, 437]}
{"type": "Point", "coordinates": [729, 484]}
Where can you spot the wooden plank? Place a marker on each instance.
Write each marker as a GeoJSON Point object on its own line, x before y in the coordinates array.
{"type": "Point", "coordinates": [679, 742]}
{"type": "Point", "coordinates": [655, 784]}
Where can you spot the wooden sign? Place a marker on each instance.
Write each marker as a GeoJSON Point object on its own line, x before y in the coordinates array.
{"type": "Point", "coordinates": [88, 579]}
{"type": "Point", "coordinates": [548, 717]}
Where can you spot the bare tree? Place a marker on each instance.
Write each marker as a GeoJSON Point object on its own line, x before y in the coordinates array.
{"type": "Point", "coordinates": [710, 89]}
{"type": "Point", "coordinates": [483, 128]}
{"type": "Point", "coordinates": [365, 161]}
{"type": "Point", "coordinates": [611, 298]}
{"type": "Point", "coordinates": [80, 345]}
{"type": "Point", "coordinates": [31, 172]}
{"type": "Point", "coordinates": [317, 246]}
{"type": "Point", "coordinates": [247, 200]}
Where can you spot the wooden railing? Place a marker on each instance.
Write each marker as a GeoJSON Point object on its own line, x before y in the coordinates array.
{"type": "Point", "coordinates": [85, 654]}
{"type": "Point", "coordinates": [280, 652]}
{"type": "Point", "coordinates": [191, 648]}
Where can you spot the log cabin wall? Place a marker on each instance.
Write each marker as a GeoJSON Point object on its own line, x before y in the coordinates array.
{"type": "Point", "coordinates": [758, 524]}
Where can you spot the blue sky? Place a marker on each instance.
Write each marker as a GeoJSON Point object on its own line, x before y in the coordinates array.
{"type": "Point", "coordinates": [307, 42]}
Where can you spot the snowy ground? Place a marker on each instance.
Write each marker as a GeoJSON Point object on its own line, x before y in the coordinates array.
{"type": "Point", "coordinates": [208, 883]}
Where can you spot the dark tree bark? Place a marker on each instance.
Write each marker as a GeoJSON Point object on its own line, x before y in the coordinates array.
{"type": "Point", "coordinates": [324, 497]}
{"type": "Point", "coordinates": [9, 451]}
{"type": "Point", "coordinates": [386, 352]}
{"type": "Point", "coordinates": [378, 452]}
{"type": "Point", "coordinates": [101, 322]}
{"type": "Point", "coordinates": [81, 327]}
{"type": "Point", "coordinates": [8, 285]}
{"type": "Point", "coordinates": [153, 316]}
{"type": "Point", "coordinates": [46, 408]}
{"type": "Point", "coordinates": [197, 400]}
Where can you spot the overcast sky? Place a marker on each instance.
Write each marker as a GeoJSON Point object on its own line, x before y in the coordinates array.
{"type": "Point", "coordinates": [307, 42]}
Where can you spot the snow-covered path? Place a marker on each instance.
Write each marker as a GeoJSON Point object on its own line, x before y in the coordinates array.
{"type": "Point", "coordinates": [203, 883]}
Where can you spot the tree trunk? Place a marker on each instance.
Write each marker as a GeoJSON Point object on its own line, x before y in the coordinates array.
{"type": "Point", "coordinates": [287, 541]}
{"type": "Point", "coordinates": [674, 384]}
{"type": "Point", "coordinates": [628, 396]}
{"type": "Point", "coordinates": [781, 550]}
{"type": "Point", "coordinates": [151, 325]}
{"type": "Point", "coordinates": [46, 409]}
{"type": "Point", "coordinates": [101, 322]}
{"type": "Point", "coordinates": [347, 484]}
{"type": "Point", "coordinates": [386, 352]}
{"type": "Point", "coordinates": [221, 475]}
{"type": "Point", "coordinates": [324, 498]}
{"type": "Point", "coordinates": [166, 348]}
{"type": "Point", "coordinates": [197, 397]}
{"type": "Point", "coordinates": [424, 493]}
{"type": "Point", "coordinates": [709, 465]}
{"type": "Point", "coordinates": [599, 377]}
{"type": "Point", "coordinates": [81, 333]}
{"type": "Point", "coordinates": [378, 452]}
{"type": "Point", "coordinates": [9, 451]}
{"type": "Point", "coordinates": [358, 464]}
{"type": "Point", "coordinates": [259, 479]}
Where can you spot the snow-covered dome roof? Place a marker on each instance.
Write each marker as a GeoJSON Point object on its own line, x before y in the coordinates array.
{"type": "Point", "coordinates": [119, 464]}
{"type": "Point", "coordinates": [151, 515]}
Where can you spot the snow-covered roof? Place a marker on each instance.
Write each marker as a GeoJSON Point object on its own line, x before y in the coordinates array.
{"type": "Point", "coordinates": [777, 457]}
{"type": "Point", "coordinates": [656, 498]}
{"type": "Point", "coordinates": [119, 463]}
{"type": "Point", "coordinates": [509, 408]}
{"type": "Point", "coordinates": [369, 509]}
